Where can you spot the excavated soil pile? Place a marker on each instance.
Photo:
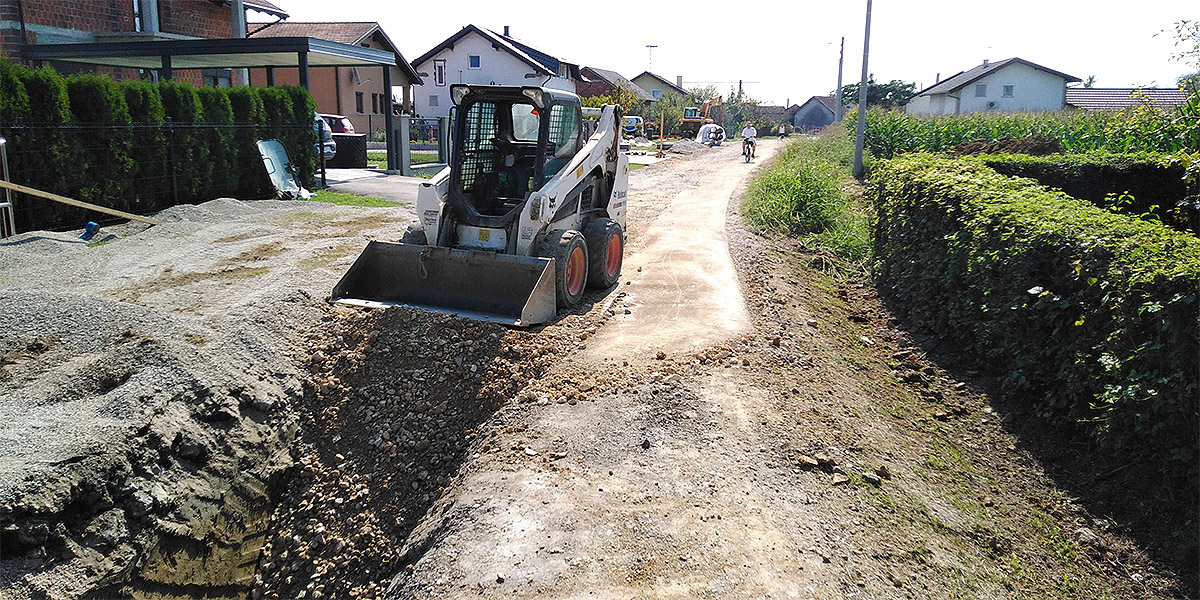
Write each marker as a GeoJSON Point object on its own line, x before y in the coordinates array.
{"type": "Point", "coordinates": [147, 457]}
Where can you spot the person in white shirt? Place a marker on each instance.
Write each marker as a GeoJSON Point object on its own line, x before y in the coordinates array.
{"type": "Point", "coordinates": [748, 135]}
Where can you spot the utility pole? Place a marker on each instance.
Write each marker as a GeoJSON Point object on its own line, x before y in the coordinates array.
{"type": "Point", "coordinates": [862, 101]}
{"type": "Point", "coordinates": [838, 102]}
{"type": "Point", "coordinates": [650, 49]}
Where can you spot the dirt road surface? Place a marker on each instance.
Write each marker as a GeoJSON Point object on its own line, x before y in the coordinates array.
{"type": "Point", "coordinates": [731, 421]}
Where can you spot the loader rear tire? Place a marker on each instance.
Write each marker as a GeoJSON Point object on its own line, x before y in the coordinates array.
{"type": "Point", "coordinates": [606, 252]}
{"type": "Point", "coordinates": [569, 251]}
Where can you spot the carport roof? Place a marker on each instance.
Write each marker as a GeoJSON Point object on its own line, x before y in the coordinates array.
{"type": "Point", "coordinates": [214, 53]}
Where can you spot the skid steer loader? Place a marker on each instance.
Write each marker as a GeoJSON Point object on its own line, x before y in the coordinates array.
{"type": "Point", "coordinates": [529, 212]}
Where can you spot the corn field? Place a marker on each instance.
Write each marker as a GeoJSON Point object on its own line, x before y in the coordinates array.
{"type": "Point", "coordinates": [1141, 129]}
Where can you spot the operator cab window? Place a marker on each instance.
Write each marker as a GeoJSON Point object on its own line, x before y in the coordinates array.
{"type": "Point", "coordinates": [564, 138]}
{"type": "Point", "coordinates": [525, 121]}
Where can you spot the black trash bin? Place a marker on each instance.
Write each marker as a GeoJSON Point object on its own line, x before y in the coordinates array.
{"type": "Point", "coordinates": [351, 151]}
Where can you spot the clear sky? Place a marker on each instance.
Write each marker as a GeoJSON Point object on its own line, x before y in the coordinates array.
{"type": "Point", "coordinates": [788, 50]}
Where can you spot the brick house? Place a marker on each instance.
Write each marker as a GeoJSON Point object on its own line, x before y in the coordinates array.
{"type": "Point", "coordinates": [351, 91]}
{"type": "Point", "coordinates": [32, 22]}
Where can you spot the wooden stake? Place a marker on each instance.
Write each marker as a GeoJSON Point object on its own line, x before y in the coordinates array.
{"type": "Point", "coordinates": [16, 187]}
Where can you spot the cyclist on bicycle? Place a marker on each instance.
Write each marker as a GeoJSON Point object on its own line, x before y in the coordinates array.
{"type": "Point", "coordinates": [748, 135]}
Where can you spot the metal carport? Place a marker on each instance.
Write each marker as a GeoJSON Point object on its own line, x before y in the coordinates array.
{"type": "Point", "coordinates": [269, 53]}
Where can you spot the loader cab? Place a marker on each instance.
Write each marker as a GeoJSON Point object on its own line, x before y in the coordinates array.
{"type": "Point", "coordinates": [508, 142]}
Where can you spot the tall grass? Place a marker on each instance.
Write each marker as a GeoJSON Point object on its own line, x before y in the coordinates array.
{"type": "Point", "coordinates": [806, 192]}
{"type": "Point", "coordinates": [1141, 129]}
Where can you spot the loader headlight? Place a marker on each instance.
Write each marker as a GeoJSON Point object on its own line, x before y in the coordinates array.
{"type": "Point", "coordinates": [458, 92]}
{"type": "Point", "coordinates": [536, 95]}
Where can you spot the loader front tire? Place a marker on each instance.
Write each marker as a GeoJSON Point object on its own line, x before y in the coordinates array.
{"type": "Point", "coordinates": [414, 235]}
{"type": "Point", "coordinates": [569, 251]}
{"type": "Point", "coordinates": [606, 251]}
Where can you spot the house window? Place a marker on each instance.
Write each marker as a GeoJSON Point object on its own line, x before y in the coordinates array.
{"type": "Point", "coordinates": [473, 61]}
{"type": "Point", "coordinates": [358, 102]}
{"type": "Point", "coordinates": [374, 104]}
{"type": "Point", "coordinates": [439, 72]}
{"type": "Point", "coordinates": [433, 100]}
{"type": "Point", "coordinates": [981, 90]}
{"type": "Point", "coordinates": [657, 94]}
{"type": "Point", "coordinates": [1008, 91]}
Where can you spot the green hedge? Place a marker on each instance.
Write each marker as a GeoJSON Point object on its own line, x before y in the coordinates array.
{"type": "Point", "coordinates": [1092, 315]}
{"type": "Point", "coordinates": [1136, 184]}
{"type": "Point", "coordinates": [1144, 128]}
{"type": "Point", "coordinates": [115, 143]}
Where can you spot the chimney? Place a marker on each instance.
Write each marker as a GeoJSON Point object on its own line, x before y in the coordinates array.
{"type": "Point", "coordinates": [937, 78]}
{"type": "Point", "coordinates": [679, 80]}
{"type": "Point", "coordinates": [985, 62]}
{"type": "Point", "coordinates": [506, 35]}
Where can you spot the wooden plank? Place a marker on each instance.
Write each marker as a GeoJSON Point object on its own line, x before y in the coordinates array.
{"type": "Point", "coordinates": [16, 187]}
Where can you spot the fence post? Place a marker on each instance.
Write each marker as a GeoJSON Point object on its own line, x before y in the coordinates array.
{"type": "Point", "coordinates": [171, 159]}
{"type": "Point", "coordinates": [405, 146]}
{"type": "Point", "coordinates": [8, 223]}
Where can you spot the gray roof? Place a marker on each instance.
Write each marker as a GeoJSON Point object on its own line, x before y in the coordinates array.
{"type": "Point", "coordinates": [965, 78]}
{"type": "Point", "coordinates": [662, 80]}
{"type": "Point", "coordinates": [1122, 98]}
{"type": "Point", "coordinates": [616, 79]}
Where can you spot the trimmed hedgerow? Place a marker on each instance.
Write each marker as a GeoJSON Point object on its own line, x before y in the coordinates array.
{"type": "Point", "coordinates": [1090, 314]}
{"type": "Point", "coordinates": [107, 142]}
{"type": "Point", "coordinates": [1151, 184]}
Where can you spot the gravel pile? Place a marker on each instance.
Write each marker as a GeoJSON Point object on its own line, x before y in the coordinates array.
{"type": "Point", "coordinates": [688, 146]}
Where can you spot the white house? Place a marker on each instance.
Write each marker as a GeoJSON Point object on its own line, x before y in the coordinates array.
{"type": "Point", "coordinates": [480, 56]}
{"type": "Point", "coordinates": [657, 85]}
{"type": "Point", "coordinates": [1008, 85]}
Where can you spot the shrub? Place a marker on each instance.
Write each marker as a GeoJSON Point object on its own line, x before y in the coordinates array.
{"type": "Point", "coordinates": [248, 116]}
{"type": "Point", "coordinates": [42, 148]}
{"type": "Point", "coordinates": [1090, 314]}
{"type": "Point", "coordinates": [218, 135]}
{"type": "Point", "coordinates": [104, 164]}
{"type": "Point", "coordinates": [14, 102]}
{"type": "Point", "coordinates": [146, 112]}
{"type": "Point", "coordinates": [188, 152]}
{"type": "Point", "coordinates": [303, 140]}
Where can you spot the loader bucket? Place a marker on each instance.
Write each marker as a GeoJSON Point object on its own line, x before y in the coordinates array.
{"type": "Point", "coordinates": [502, 288]}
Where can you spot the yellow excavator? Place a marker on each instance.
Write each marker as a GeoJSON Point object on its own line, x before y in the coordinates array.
{"type": "Point", "coordinates": [529, 213]}
{"type": "Point", "coordinates": [695, 117]}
